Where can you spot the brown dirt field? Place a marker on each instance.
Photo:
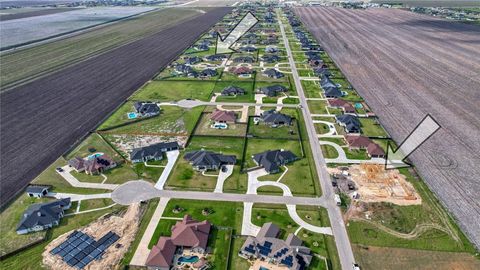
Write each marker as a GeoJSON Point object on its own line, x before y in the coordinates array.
{"type": "Point", "coordinates": [377, 258]}
{"type": "Point", "coordinates": [406, 65]}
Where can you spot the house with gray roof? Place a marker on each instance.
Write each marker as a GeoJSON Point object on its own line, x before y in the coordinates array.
{"type": "Point", "coordinates": [270, 58]}
{"type": "Point", "coordinates": [37, 191]}
{"type": "Point", "coordinates": [271, 160]}
{"type": "Point", "coordinates": [186, 70]}
{"type": "Point", "coordinates": [192, 60]}
{"type": "Point", "coordinates": [273, 73]}
{"type": "Point", "coordinates": [272, 90]}
{"type": "Point", "coordinates": [146, 109]}
{"type": "Point", "coordinates": [248, 49]}
{"type": "Point", "coordinates": [267, 246]}
{"type": "Point", "coordinates": [152, 152]}
{"type": "Point", "coordinates": [42, 216]}
{"type": "Point", "coordinates": [243, 59]}
{"type": "Point", "coordinates": [349, 122]}
{"type": "Point", "coordinates": [207, 160]}
{"type": "Point", "coordinates": [208, 73]}
{"type": "Point", "coordinates": [232, 90]}
{"type": "Point", "coordinates": [275, 118]}
{"type": "Point", "coordinates": [216, 57]}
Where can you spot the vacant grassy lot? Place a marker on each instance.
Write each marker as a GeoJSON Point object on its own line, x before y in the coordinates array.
{"type": "Point", "coordinates": [399, 258]}
{"type": "Point", "coordinates": [175, 90]}
{"type": "Point", "coordinates": [371, 128]}
{"type": "Point", "coordinates": [317, 106]}
{"type": "Point", "coordinates": [31, 62]}
{"type": "Point", "coordinates": [311, 89]}
{"type": "Point", "coordinates": [329, 151]}
{"type": "Point", "coordinates": [184, 177]}
{"type": "Point", "coordinates": [95, 203]}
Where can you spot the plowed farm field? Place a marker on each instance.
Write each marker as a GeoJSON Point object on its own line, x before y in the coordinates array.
{"type": "Point", "coordinates": [407, 65]}
{"type": "Point", "coordinates": [41, 120]}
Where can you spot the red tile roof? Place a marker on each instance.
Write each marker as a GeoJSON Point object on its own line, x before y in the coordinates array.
{"type": "Point", "coordinates": [355, 141]}
{"type": "Point", "coordinates": [223, 116]}
{"type": "Point", "coordinates": [374, 149]}
{"type": "Point", "coordinates": [162, 253]}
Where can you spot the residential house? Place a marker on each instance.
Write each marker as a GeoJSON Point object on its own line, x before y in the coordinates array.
{"type": "Point", "coordinates": [42, 216]}
{"type": "Point", "coordinates": [208, 73]}
{"type": "Point", "coordinates": [375, 151]}
{"type": "Point", "coordinates": [92, 165]}
{"type": "Point", "coordinates": [37, 191]}
{"type": "Point", "coordinates": [273, 73]}
{"type": "Point", "coordinates": [232, 90]}
{"type": "Point", "coordinates": [267, 246]}
{"type": "Point", "coordinates": [272, 160]}
{"type": "Point", "coordinates": [357, 141]}
{"type": "Point", "coordinates": [341, 104]}
{"type": "Point", "coordinates": [272, 90]}
{"type": "Point", "coordinates": [186, 234]}
{"type": "Point", "coordinates": [275, 118]}
{"type": "Point", "coordinates": [202, 160]}
{"type": "Point", "coordinates": [241, 71]}
{"type": "Point", "coordinates": [270, 58]}
{"type": "Point", "coordinates": [322, 72]}
{"type": "Point", "coordinates": [220, 116]}
{"type": "Point", "coordinates": [247, 49]}
{"type": "Point", "coordinates": [216, 57]}
{"type": "Point", "coordinates": [152, 152]}
{"type": "Point", "coordinates": [349, 122]}
{"type": "Point", "coordinates": [243, 59]}
{"type": "Point", "coordinates": [192, 60]}
{"type": "Point", "coordinates": [186, 70]}
{"type": "Point", "coordinates": [333, 92]}
{"type": "Point", "coordinates": [201, 47]}
{"type": "Point", "coordinates": [271, 49]}
{"type": "Point", "coordinates": [146, 109]}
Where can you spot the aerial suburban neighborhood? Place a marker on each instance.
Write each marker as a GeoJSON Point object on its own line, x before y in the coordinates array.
{"type": "Point", "coordinates": [239, 135]}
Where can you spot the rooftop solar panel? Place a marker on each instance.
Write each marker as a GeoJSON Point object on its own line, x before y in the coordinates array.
{"type": "Point", "coordinates": [62, 253]}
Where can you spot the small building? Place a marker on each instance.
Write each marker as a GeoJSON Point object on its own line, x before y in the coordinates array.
{"type": "Point", "coordinates": [272, 160]}
{"type": "Point", "coordinates": [275, 118]}
{"type": "Point", "coordinates": [202, 160]}
{"type": "Point", "coordinates": [152, 152]}
{"type": "Point", "coordinates": [42, 216]}
{"type": "Point", "coordinates": [220, 116]}
{"type": "Point", "coordinates": [273, 90]}
{"type": "Point", "coordinates": [192, 60]}
{"type": "Point", "coordinates": [146, 109]}
{"type": "Point", "coordinates": [273, 73]}
{"type": "Point", "coordinates": [267, 246]}
{"type": "Point", "coordinates": [232, 90]}
{"type": "Point", "coordinates": [37, 191]}
{"type": "Point", "coordinates": [187, 234]}
{"type": "Point", "coordinates": [349, 122]}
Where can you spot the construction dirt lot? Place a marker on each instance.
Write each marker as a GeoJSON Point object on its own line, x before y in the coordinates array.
{"type": "Point", "coordinates": [125, 226]}
{"type": "Point", "coordinates": [379, 258]}
{"type": "Point", "coordinates": [407, 65]}
{"type": "Point", "coordinates": [42, 119]}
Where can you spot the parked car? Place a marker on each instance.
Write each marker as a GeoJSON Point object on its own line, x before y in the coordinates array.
{"type": "Point", "coordinates": [59, 169]}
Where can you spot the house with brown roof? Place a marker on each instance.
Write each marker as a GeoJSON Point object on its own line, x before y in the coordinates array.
{"type": "Point", "coordinates": [186, 234]}
{"type": "Point", "coordinates": [220, 116]}
{"type": "Point", "coordinates": [375, 151]}
{"type": "Point", "coordinates": [92, 165]}
{"type": "Point", "coordinates": [241, 71]}
{"type": "Point", "coordinates": [338, 103]}
{"type": "Point", "coordinates": [361, 142]}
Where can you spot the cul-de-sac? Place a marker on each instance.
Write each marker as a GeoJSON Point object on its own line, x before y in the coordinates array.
{"type": "Point", "coordinates": [239, 135]}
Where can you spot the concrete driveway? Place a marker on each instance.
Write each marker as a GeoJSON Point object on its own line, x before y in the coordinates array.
{"type": "Point", "coordinates": [172, 157]}
{"type": "Point", "coordinates": [222, 176]}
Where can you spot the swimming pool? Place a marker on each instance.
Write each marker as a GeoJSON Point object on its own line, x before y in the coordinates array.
{"type": "Point", "coordinates": [263, 268]}
{"type": "Point", "coordinates": [92, 156]}
{"type": "Point", "coordinates": [132, 115]}
{"type": "Point", "coordinates": [188, 259]}
{"type": "Point", "coordinates": [358, 105]}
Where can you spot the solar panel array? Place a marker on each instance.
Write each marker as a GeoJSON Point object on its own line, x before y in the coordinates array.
{"type": "Point", "coordinates": [79, 249]}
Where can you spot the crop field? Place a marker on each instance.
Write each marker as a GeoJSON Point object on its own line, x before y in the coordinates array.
{"type": "Point", "coordinates": [30, 12]}
{"type": "Point", "coordinates": [406, 65]}
{"type": "Point", "coordinates": [67, 105]}
{"type": "Point", "coordinates": [26, 30]}
{"type": "Point", "coordinates": [26, 64]}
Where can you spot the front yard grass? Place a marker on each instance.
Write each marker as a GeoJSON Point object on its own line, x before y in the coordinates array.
{"type": "Point", "coordinates": [118, 175]}
{"type": "Point", "coordinates": [95, 203]}
{"type": "Point", "coordinates": [184, 177]}
{"type": "Point", "coordinates": [311, 89]}
{"type": "Point", "coordinates": [321, 128]}
{"type": "Point", "coordinates": [247, 86]}
{"type": "Point", "coordinates": [175, 90]}
{"type": "Point", "coordinates": [329, 151]}
{"type": "Point", "coordinates": [371, 128]}
{"type": "Point", "coordinates": [317, 106]}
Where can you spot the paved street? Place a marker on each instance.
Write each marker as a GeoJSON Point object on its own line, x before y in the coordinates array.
{"type": "Point", "coordinates": [135, 191]}
{"type": "Point", "coordinates": [186, 103]}
{"type": "Point", "coordinates": [338, 227]}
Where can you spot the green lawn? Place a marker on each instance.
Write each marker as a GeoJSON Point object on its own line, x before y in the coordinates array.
{"type": "Point", "coordinates": [118, 175]}
{"type": "Point", "coordinates": [329, 151]}
{"type": "Point", "coordinates": [235, 261]}
{"type": "Point", "coordinates": [265, 131]}
{"type": "Point", "coordinates": [321, 128]}
{"type": "Point", "coordinates": [119, 116]}
{"type": "Point", "coordinates": [94, 143]}
{"type": "Point", "coordinates": [371, 128]}
{"type": "Point", "coordinates": [356, 154]}
{"type": "Point", "coordinates": [247, 86]}
{"type": "Point", "coordinates": [175, 90]}
{"type": "Point", "coordinates": [184, 177]}
{"type": "Point", "coordinates": [311, 89]}
{"type": "Point", "coordinates": [149, 173]}
{"type": "Point", "coordinates": [95, 203]}
{"type": "Point", "coordinates": [317, 106]}
{"type": "Point", "coordinates": [255, 146]}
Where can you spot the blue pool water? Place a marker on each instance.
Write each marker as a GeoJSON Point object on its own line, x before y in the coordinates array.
{"type": "Point", "coordinates": [358, 105]}
{"type": "Point", "coordinates": [189, 259]}
{"type": "Point", "coordinates": [132, 115]}
{"type": "Point", "coordinates": [92, 156]}
{"type": "Point", "coordinates": [263, 268]}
